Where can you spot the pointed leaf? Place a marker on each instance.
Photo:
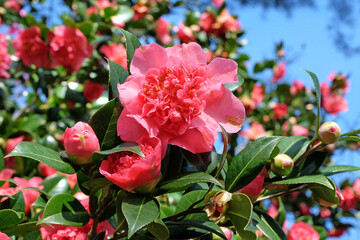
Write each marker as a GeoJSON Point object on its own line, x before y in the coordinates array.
{"type": "Point", "coordinates": [249, 162]}
{"type": "Point", "coordinates": [9, 217]}
{"type": "Point", "coordinates": [239, 212]}
{"type": "Point", "coordinates": [42, 154]}
{"type": "Point", "coordinates": [55, 184]}
{"type": "Point", "coordinates": [16, 202]}
{"type": "Point", "coordinates": [139, 211]}
{"type": "Point", "coordinates": [336, 169]}
{"type": "Point", "coordinates": [293, 145]}
{"type": "Point", "coordinates": [132, 43]}
{"type": "Point", "coordinates": [22, 228]}
{"type": "Point", "coordinates": [123, 147]}
{"type": "Point", "coordinates": [269, 226]}
{"type": "Point", "coordinates": [117, 75]}
{"type": "Point", "coordinates": [316, 179]}
{"type": "Point", "coordinates": [121, 221]}
{"type": "Point", "coordinates": [325, 194]}
{"type": "Point", "coordinates": [65, 209]}
{"type": "Point", "coordinates": [159, 229]}
{"type": "Point", "coordinates": [351, 133]}
{"type": "Point", "coordinates": [350, 139]}
{"type": "Point", "coordinates": [188, 199]}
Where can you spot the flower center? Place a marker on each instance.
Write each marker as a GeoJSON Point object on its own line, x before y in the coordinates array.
{"type": "Point", "coordinates": [174, 96]}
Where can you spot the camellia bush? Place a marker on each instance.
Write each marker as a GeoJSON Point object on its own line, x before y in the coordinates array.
{"type": "Point", "coordinates": [109, 126]}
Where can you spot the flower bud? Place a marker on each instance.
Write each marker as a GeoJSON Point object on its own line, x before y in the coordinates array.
{"type": "Point", "coordinates": [329, 132]}
{"type": "Point", "coordinates": [227, 232]}
{"type": "Point", "coordinates": [282, 165]}
{"type": "Point", "coordinates": [218, 205]}
{"type": "Point", "coordinates": [80, 143]}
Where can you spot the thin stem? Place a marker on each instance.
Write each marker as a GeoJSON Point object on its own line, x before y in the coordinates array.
{"type": "Point", "coordinates": [280, 194]}
{"type": "Point", "coordinates": [185, 213]}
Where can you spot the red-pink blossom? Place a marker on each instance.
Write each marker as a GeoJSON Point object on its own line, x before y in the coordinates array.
{"type": "Point", "coordinates": [350, 201]}
{"type": "Point", "coordinates": [273, 211]}
{"type": "Point", "coordinates": [356, 187]}
{"type": "Point", "coordinates": [298, 130]}
{"type": "Point", "coordinates": [3, 236]}
{"type": "Point", "coordinates": [228, 233]}
{"type": "Point", "coordinates": [296, 87]}
{"type": "Point", "coordinates": [140, 10]}
{"type": "Point", "coordinates": [116, 53]}
{"type": "Point", "coordinates": [206, 21]}
{"type": "Point", "coordinates": [31, 49]}
{"type": "Point", "coordinates": [279, 72]}
{"type": "Point", "coordinates": [334, 103]}
{"type": "Point", "coordinates": [69, 47]}
{"type": "Point", "coordinates": [93, 90]}
{"type": "Point", "coordinates": [226, 23]}
{"type": "Point", "coordinates": [101, 4]}
{"type": "Point", "coordinates": [255, 188]}
{"type": "Point", "coordinates": [257, 94]}
{"type": "Point", "coordinates": [130, 171]}
{"type": "Point", "coordinates": [30, 195]}
{"type": "Point", "coordinates": [5, 60]}
{"type": "Point", "coordinates": [280, 110]}
{"type": "Point", "coordinates": [304, 209]}
{"type": "Point", "coordinates": [217, 3]}
{"type": "Point", "coordinates": [173, 94]}
{"type": "Point", "coordinates": [10, 145]}
{"type": "Point", "coordinates": [336, 232]}
{"type": "Point", "coordinates": [255, 131]}
{"type": "Point", "coordinates": [325, 213]}
{"type": "Point", "coordinates": [184, 33]}
{"type": "Point", "coordinates": [162, 30]}
{"type": "Point", "coordinates": [14, 4]}
{"type": "Point", "coordinates": [302, 231]}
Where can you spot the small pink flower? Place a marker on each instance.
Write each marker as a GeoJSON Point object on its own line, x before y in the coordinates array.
{"type": "Point", "coordinates": [185, 33]}
{"type": "Point", "coordinates": [162, 30]}
{"type": "Point", "coordinates": [350, 201]}
{"type": "Point", "coordinates": [302, 231]}
{"type": "Point", "coordinates": [5, 60]}
{"type": "Point", "coordinates": [30, 196]}
{"type": "Point", "coordinates": [116, 53]}
{"type": "Point", "coordinates": [217, 3]}
{"type": "Point", "coordinates": [206, 21]}
{"type": "Point", "coordinates": [15, 5]}
{"type": "Point", "coordinates": [356, 187]}
{"type": "Point", "coordinates": [296, 87]}
{"type": "Point", "coordinates": [93, 90]}
{"type": "Point", "coordinates": [304, 209]}
{"type": "Point", "coordinates": [117, 20]}
{"type": "Point", "coordinates": [80, 143]}
{"type": "Point", "coordinates": [334, 103]}
{"type": "Point", "coordinates": [140, 11]}
{"type": "Point", "coordinates": [228, 233]}
{"type": "Point", "coordinates": [174, 95]}
{"type": "Point", "coordinates": [69, 47]}
{"type": "Point", "coordinates": [325, 213]}
{"type": "Point", "coordinates": [273, 211]}
{"type": "Point", "coordinates": [257, 94]}
{"type": "Point", "coordinates": [336, 232]}
{"type": "Point", "coordinates": [255, 131]}
{"type": "Point", "coordinates": [31, 49]}
{"type": "Point", "coordinates": [10, 145]}
{"type": "Point", "coordinates": [280, 110]}
{"type": "Point", "coordinates": [298, 130]}
{"type": "Point", "coordinates": [279, 72]}
{"type": "Point", "coordinates": [101, 4]}
{"type": "Point", "coordinates": [225, 22]}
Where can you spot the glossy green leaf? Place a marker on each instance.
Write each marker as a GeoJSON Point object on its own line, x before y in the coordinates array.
{"type": "Point", "coordinates": [316, 179]}
{"type": "Point", "coordinates": [172, 162]}
{"type": "Point", "coordinates": [293, 146]}
{"type": "Point", "coordinates": [65, 209]}
{"type": "Point", "coordinates": [182, 182]}
{"type": "Point", "coordinates": [325, 194]}
{"type": "Point", "coordinates": [351, 133]}
{"type": "Point", "coordinates": [139, 211]}
{"type": "Point", "coordinates": [22, 228]}
{"type": "Point", "coordinates": [9, 217]}
{"type": "Point", "coordinates": [95, 184]}
{"type": "Point", "coordinates": [42, 154]}
{"type": "Point", "coordinates": [121, 221]}
{"type": "Point", "coordinates": [158, 229]}
{"type": "Point", "coordinates": [124, 147]}
{"type": "Point", "coordinates": [103, 122]}
{"type": "Point", "coordinates": [336, 169]}
{"type": "Point", "coordinates": [268, 226]}
{"type": "Point", "coordinates": [101, 236]}
{"type": "Point", "coordinates": [200, 224]}
{"type": "Point", "coordinates": [318, 101]}
{"type": "Point", "coordinates": [312, 163]}
{"type": "Point", "coordinates": [132, 43]}
{"type": "Point", "coordinates": [233, 86]}
{"type": "Point", "coordinates": [239, 212]}
{"type": "Point", "coordinates": [188, 199]}
{"type": "Point", "coordinates": [117, 75]}
{"type": "Point", "coordinates": [55, 184]}
{"type": "Point", "coordinates": [350, 139]}
{"type": "Point", "coordinates": [16, 202]}
{"type": "Point", "coordinates": [125, 14]}
{"type": "Point", "coordinates": [249, 162]}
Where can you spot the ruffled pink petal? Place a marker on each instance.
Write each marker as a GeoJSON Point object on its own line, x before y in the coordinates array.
{"type": "Point", "coordinates": [190, 53]}
{"type": "Point", "coordinates": [128, 128]}
{"type": "Point", "coordinates": [147, 57]}
{"type": "Point", "coordinates": [129, 93]}
{"type": "Point", "coordinates": [228, 111]}
{"type": "Point", "coordinates": [222, 70]}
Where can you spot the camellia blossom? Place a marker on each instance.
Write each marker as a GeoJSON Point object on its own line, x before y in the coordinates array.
{"type": "Point", "coordinates": [3, 236]}
{"type": "Point", "coordinates": [129, 170]}
{"type": "Point", "coordinates": [302, 231]}
{"type": "Point", "coordinates": [279, 72]}
{"type": "Point", "coordinates": [93, 90]}
{"type": "Point", "coordinates": [255, 131]}
{"type": "Point", "coordinates": [101, 4]}
{"type": "Point", "coordinates": [116, 53]}
{"type": "Point", "coordinates": [257, 94]}
{"type": "Point", "coordinates": [255, 188]}
{"type": "Point", "coordinates": [5, 60]}
{"type": "Point", "coordinates": [174, 95]}
{"type": "Point", "coordinates": [334, 103]}
{"type": "Point", "coordinates": [10, 145]}
{"type": "Point", "coordinates": [162, 30]}
{"type": "Point", "coordinates": [30, 195]}
{"type": "Point", "coordinates": [280, 110]}
{"type": "Point", "coordinates": [69, 47]}
{"type": "Point", "coordinates": [31, 49]}
{"type": "Point", "coordinates": [296, 87]}
{"type": "Point", "coordinates": [185, 33]}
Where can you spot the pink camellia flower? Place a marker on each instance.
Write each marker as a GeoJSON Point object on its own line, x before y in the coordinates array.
{"type": "Point", "coordinates": [162, 31]}
{"type": "Point", "coordinates": [280, 110]}
{"type": "Point", "coordinates": [31, 49]}
{"type": "Point", "coordinates": [10, 145]}
{"type": "Point", "coordinates": [206, 21]}
{"type": "Point", "coordinates": [257, 94]}
{"type": "Point", "coordinates": [302, 231]}
{"type": "Point", "coordinates": [47, 171]}
{"type": "Point", "coordinates": [350, 201]}
{"type": "Point", "coordinates": [185, 34]}
{"type": "Point", "coordinates": [273, 211]}
{"type": "Point", "coordinates": [255, 188]}
{"type": "Point", "coordinates": [5, 60]}
{"type": "Point", "coordinates": [255, 131]}
{"type": "Point", "coordinates": [336, 232]}
{"type": "Point", "coordinates": [140, 11]}
{"type": "Point", "coordinates": [334, 103]}
{"type": "Point", "coordinates": [356, 187]}
{"type": "Point", "coordinates": [217, 3]}
{"type": "Point", "coordinates": [80, 143]}
{"type": "Point", "coordinates": [325, 213]}
{"type": "Point", "coordinates": [174, 95]}
{"type": "Point", "coordinates": [15, 5]}
{"type": "Point", "coordinates": [296, 87]}
{"type": "Point", "coordinates": [279, 72]}
{"type": "Point", "coordinates": [93, 90]}
{"type": "Point", "coordinates": [133, 172]}
{"type": "Point", "coordinates": [30, 195]}
{"type": "Point", "coordinates": [101, 4]}
{"type": "Point", "coordinates": [304, 209]}
{"type": "Point", "coordinates": [228, 233]}
{"type": "Point", "coordinates": [62, 232]}
{"type": "Point", "coordinates": [298, 130]}
{"type": "Point", "coordinates": [225, 23]}
{"type": "Point", "coordinates": [6, 173]}
{"type": "Point", "coordinates": [116, 53]}
{"type": "Point", "coordinates": [3, 236]}
{"type": "Point", "coordinates": [69, 47]}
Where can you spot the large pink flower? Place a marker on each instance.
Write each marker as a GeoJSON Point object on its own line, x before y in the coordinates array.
{"type": "Point", "coordinates": [174, 95]}
{"type": "Point", "coordinates": [5, 60]}
{"type": "Point", "coordinates": [116, 53]}
{"type": "Point", "coordinates": [302, 231]}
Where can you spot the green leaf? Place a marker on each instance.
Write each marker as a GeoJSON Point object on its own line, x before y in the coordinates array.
{"type": "Point", "coordinates": [55, 184]}
{"type": "Point", "coordinates": [293, 146]}
{"type": "Point", "coordinates": [159, 229]}
{"type": "Point", "coordinates": [86, 27]}
{"type": "Point", "coordinates": [139, 211]}
{"type": "Point", "coordinates": [326, 194]}
{"type": "Point", "coordinates": [188, 199]}
{"type": "Point", "coordinates": [336, 169]}
{"type": "Point", "coordinates": [233, 86]}
{"type": "Point", "coordinates": [96, 183]}
{"type": "Point", "coordinates": [182, 182]}
{"type": "Point", "coordinates": [351, 133]}
{"type": "Point", "coordinates": [101, 236]}
{"type": "Point", "coordinates": [316, 179]}
{"type": "Point", "coordinates": [117, 75]}
{"type": "Point", "coordinates": [1, 160]}
{"type": "Point", "coordinates": [239, 212]}
{"type": "Point", "coordinates": [9, 217]}
{"type": "Point", "coordinates": [121, 221]}
{"type": "Point", "coordinates": [42, 154]}
{"type": "Point", "coordinates": [103, 122]}
{"type": "Point", "coordinates": [312, 163]}
{"type": "Point", "coordinates": [124, 147]}
{"type": "Point", "coordinates": [20, 229]}
{"type": "Point", "coordinates": [318, 101]}
{"type": "Point", "coordinates": [350, 139]}
{"type": "Point", "coordinates": [200, 224]}
{"type": "Point", "coordinates": [132, 43]}
{"type": "Point", "coordinates": [65, 209]}
{"type": "Point", "coordinates": [269, 226]}
{"type": "Point", "coordinates": [249, 162]}
{"type": "Point", "coordinates": [125, 14]}
{"type": "Point", "coordinates": [16, 202]}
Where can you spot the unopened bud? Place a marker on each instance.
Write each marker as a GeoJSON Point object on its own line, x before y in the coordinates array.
{"type": "Point", "coordinates": [218, 205]}
{"type": "Point", "coordinates": [282, 165]}
{"type": "Point", "coordinates": [329, 132]}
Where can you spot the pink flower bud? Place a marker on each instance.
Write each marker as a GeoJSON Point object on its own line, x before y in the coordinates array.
{"type": "Point", "coordinates": [329, 132]}
{"type": "Point", "coordinates": [80, 143]}
{"type": "Point", "coordinates": [282, 165]}
{"type": "Point", "coordinates": [228, 233]}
